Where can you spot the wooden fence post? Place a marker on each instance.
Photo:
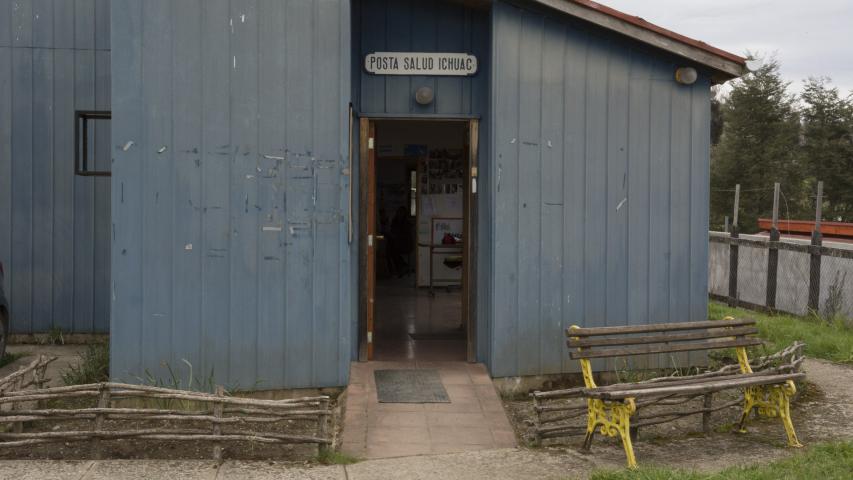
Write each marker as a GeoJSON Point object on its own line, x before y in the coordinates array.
{"type": "Point", "coordinates": [323, 426]}
{"type": "Point", "coordinates": [18, 427]}
{"type": "Point", "coordinates": [733, 252]}
{"type": "Point", "coordinates": [773, 252]}
{"type": "Point", "coordinates": [537, 421]}
{"type": "Point", "coordinates": [217, 427]}
{"type": "Point", "coordinates": [103, 402]}
{"type": "Point", "coordinates": [707, 402]}
{"type": "Point", "coordinates": [817, 241]}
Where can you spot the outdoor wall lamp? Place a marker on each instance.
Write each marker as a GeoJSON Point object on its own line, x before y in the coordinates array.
{"type": "Point", "coordinates": [686, 75]}
{"type": "Point", "coordinates": [424, 95]}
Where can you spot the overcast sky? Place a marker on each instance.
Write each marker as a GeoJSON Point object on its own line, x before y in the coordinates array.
{"type": "Point", "coordinates": [809, 38]}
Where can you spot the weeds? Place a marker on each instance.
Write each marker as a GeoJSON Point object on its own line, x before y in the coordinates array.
{"type": "Point", "coordinates": [54, 337]}
{"type": "Point", "coordinates": [94, 366]}
{"type": "Point", "coordinates": [333, 457]}
{"type": "Point", "coordinates": [832, 307]}
{"type": "Point", "coordinates": [174, 381]}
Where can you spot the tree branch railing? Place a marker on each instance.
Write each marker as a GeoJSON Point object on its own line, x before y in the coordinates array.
{"type": "Point", "coordinates": [562, 413]}
{"type": "Point", "coordinates": [230, 419]}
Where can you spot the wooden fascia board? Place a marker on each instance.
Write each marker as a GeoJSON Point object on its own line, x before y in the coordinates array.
{"type": "Point", "coordinates": [727, 68]}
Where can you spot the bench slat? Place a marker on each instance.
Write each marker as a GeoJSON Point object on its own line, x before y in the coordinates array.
{"type": "Point", "coordinates": [680, 382]}
{"type": "Point", "coordinates": [627, 340]}
{"type": "Point", "coordinates": [656, 327]}
{"type": "Point", "coordinates": [663, 348]}
{"type": "Point", "coordinates": [695, 389]}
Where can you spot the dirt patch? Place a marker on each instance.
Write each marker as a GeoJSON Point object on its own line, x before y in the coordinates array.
{"type": "Point", "coordinates": [822, 411]}
{"type": "Point", "coordinates": [140, 449]}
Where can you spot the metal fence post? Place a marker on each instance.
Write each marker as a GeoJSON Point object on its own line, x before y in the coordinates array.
{"type": "Point", "coordinates": [733, 252]}
{"type": "Point", "coordinates": [814, 267]}
{"type": "Point", "coordinates": [773, 252]}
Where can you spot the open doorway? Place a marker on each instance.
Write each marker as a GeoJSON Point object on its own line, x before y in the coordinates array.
{"type": "Point", "coordinates": [417, 265]}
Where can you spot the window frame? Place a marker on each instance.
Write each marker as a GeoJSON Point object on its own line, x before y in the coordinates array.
{"type": "Point", "coordinates": [81, 127]}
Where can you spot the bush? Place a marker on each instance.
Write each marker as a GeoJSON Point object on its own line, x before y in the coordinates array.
{"type": "Point", "coordinates": [94, 366]}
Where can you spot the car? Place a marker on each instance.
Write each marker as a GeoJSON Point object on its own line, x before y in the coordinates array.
{"type": "Point", "coordinates": [4, 315]}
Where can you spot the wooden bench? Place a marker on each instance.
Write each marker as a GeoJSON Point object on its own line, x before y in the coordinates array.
{"type": "Point", "coordinates": [609, 408]}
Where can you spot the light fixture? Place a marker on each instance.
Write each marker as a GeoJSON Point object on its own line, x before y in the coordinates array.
{"type": "Point", "coordinates": [686, 75]}
{"type": "Point", "coordinates": [424, 95]}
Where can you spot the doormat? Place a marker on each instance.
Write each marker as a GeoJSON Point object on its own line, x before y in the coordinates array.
{"type": "Point", "coordinates": [451, 335]}
{"type": "Point", "coordinates": [410, 386]}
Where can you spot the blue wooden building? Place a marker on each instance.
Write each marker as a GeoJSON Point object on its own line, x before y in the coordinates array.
{"type": "Point", "coordinates": [238, 227]}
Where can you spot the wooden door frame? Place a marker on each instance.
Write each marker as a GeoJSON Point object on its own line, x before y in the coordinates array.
{"type": "Point", "coordinates": [367, 226]}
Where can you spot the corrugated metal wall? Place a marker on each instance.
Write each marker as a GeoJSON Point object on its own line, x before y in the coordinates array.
{"type": "Point", "coordinates": [54, 226]}
{"type": "Point", "coordinates": [230, 136]}
{"type": "Point", "coordinates": [600, 188]}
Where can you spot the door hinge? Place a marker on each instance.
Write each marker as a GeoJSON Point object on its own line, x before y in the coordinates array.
{"type": "Point", "coordinates": [370, 143]}
{"type": "Point", "coordinates": [369, 337]}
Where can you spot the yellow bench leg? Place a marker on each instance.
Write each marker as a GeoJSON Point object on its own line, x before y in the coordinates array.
{"type": "Point", "coordinates": [614, 419]}
{"type": "Point", "coordinates": [784, 406]}
{"type": "Point", "coordinates": [749, 399]}
{"type": "Point", "coordinates": [625, 433]}
{"type": "Point", "coordinates": [772, 401]}
{"type": "Point", "coordinates": [590, 427]}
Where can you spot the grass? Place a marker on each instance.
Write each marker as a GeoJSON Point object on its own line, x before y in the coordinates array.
{"type": "Point", "coordinates": [332, 457]}
{"type": "Point", "coordinates": [827, 461]}
{"type": "Point", "coordinates": [829, 340]}
{"type": "Point", "coordinates": [94, 366]}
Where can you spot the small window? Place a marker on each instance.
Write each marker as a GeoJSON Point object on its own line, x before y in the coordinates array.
{"type": "Point", "coordinates": [83, 135]}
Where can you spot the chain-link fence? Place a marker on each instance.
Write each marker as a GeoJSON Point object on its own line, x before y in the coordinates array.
{"type": "Point", "coordinates": [789, 275]}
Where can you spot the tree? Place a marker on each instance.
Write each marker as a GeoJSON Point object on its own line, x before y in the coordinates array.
{"type": "Point", "coordinates": [828, 145]}
{"type": "Point", "coordinates": [759, 145]}
{"type": "Point", "coordinates": [716, 115]}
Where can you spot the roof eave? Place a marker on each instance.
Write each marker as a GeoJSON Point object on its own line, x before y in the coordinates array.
{"type": "Point", "coordinates": [724, 66]}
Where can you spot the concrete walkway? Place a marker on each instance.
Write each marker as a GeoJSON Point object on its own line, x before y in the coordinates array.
{"type": "Point", "coordinates": [480, 465]}
{"type": "Point", "coordinates": [473, 420]}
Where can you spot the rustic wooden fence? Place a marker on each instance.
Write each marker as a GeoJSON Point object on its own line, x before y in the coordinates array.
{"type": "Point", "coordinates": [228, 419]}
{"type": "Point", "coordinates": [563, 413]}
{"type": "Point", "coordinates": [29, 376]}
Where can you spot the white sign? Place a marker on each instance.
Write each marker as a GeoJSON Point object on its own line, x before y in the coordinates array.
{"type": "Point", "coordinates": [420, 63]}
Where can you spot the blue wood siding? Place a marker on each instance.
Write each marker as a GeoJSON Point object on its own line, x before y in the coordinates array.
{"type": "Point", "coordinates": [599, 191]}
{"type": "Point", "coordinates": [229, 198]}
{"type": "Point", "coordinates": [54, 226]}
{"type": "Point", "coordinates": [420, 26]}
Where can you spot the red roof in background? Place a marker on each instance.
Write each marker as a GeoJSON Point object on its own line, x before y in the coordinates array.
{"type": "Point", "coordinates": [639, 22]}
{"type": "Point", "coordinates": [805, 227]}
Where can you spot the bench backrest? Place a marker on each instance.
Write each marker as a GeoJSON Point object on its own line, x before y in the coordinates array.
{"type": "Point", "coordinates": [608, 342]}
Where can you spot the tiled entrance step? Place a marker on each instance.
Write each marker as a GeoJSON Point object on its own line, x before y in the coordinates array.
{"type": "Point", "coordinates": [473, 420]}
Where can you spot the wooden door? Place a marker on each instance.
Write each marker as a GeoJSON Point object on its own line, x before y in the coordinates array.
{"type": "Point", "coordinates": [469, 236]}
{"type": "Point", "coordinates": [368, 231]}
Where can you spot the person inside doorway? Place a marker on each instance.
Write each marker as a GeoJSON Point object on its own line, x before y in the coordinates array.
{"type": "Point", "coordinates": [400, 243]}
